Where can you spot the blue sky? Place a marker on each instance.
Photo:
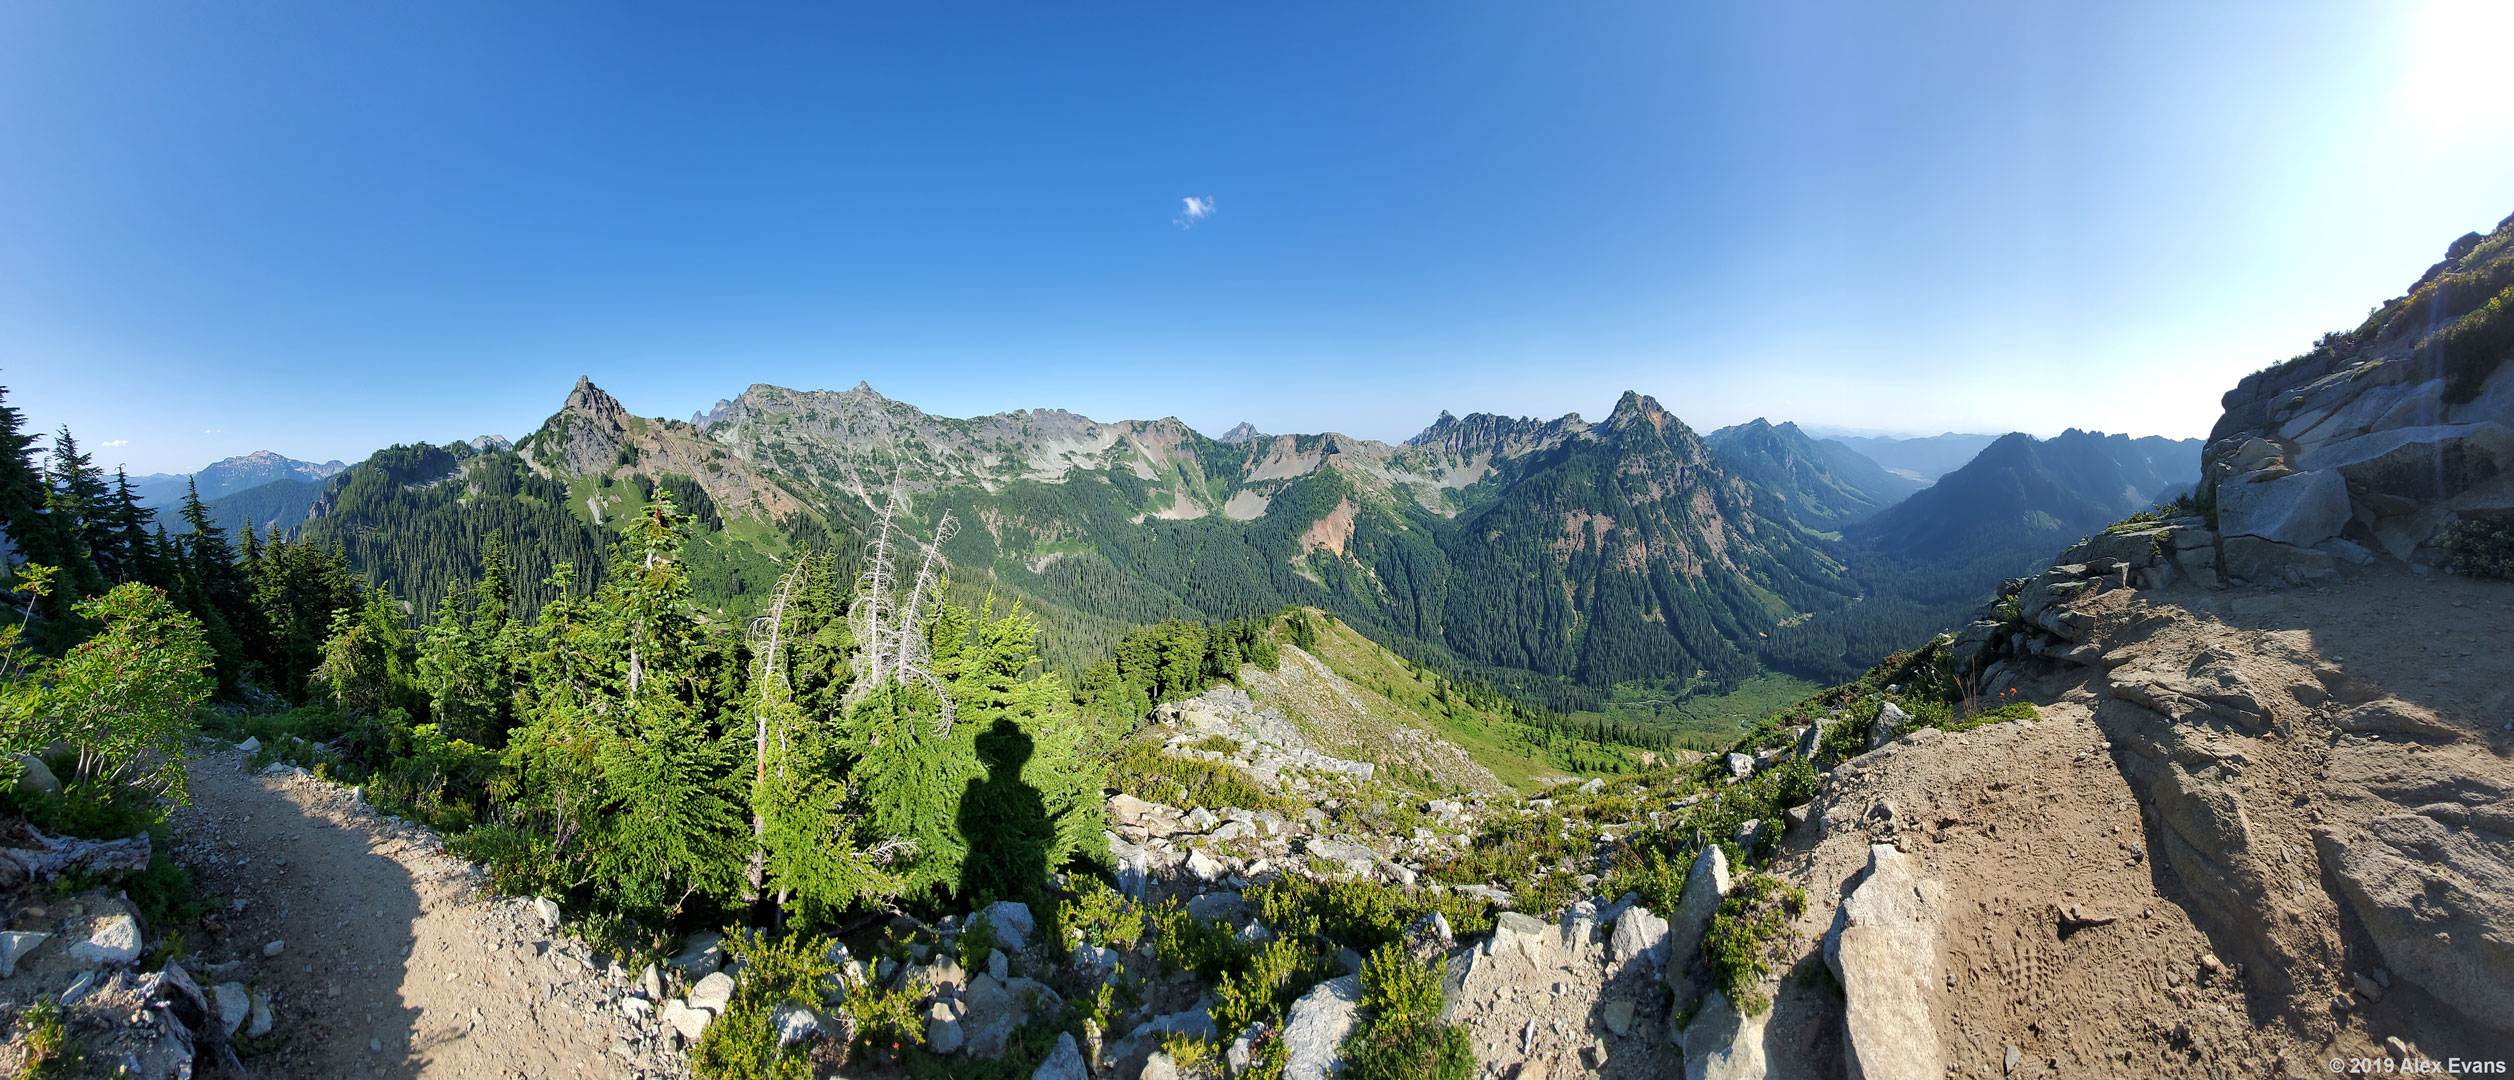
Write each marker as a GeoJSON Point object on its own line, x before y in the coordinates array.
{"type": "Point", "coordinates": [318, 228]}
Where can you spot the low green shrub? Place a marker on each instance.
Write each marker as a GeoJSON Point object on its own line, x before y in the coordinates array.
{"type": "Point", "coordinates": [1748, 936]}
{"type": "Point", "coordinates": [1402, 1037]}
{"type": "Point", "coordinates": [2481, 548]}
{"type": "Point", "coordinates": [742, 1044]}
{"type": "Point", "coordinates": [1145, 772]}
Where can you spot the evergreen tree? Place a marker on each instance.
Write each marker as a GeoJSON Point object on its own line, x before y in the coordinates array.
{"type": "Point", "coordinates": [134, 556]}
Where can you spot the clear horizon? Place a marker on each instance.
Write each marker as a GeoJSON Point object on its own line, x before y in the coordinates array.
{"type": "Point", "coordinates": [320, 230]}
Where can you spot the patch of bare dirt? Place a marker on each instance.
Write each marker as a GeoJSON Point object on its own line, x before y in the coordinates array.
{"type": "Point", "coordinates": [393, 962]}
{"type": "Point", "coordinates": [2258, 831]}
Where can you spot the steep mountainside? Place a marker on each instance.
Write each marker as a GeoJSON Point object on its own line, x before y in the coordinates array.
{"type": "Point", "coordinates": [2022, 497]}
{"type": "Point", "coordinates": [235, 474]}
{"type": "Point", "coordinates": [1590, 553]}
{"type": "Point", "coordinates": [1824, 483]}
{"type": "Point", "coordinates": [285, 503]}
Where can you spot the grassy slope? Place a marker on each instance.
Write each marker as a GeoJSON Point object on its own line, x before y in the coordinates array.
{"type": "Point", "coordinates": [1381, 678]}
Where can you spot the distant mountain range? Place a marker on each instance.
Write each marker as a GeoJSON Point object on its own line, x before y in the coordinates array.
{"type": "Point", "coordinates": [2025, 498]}
{"type": "Point", "coordinates": [1557, 556]}
{"type": "Point", "coordinates": [1924, 459]}
{"type": "Point", "coordinates": [235, 474]}
{"type": "Point", "coordinates": [1825, 482]}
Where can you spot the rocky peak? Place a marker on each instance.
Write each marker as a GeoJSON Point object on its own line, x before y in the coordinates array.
{"type": "Point", "coordinates": [591, 400]}
{"type": "Point", "coordinates": [1637, 408]}
{"type": "Point", "coordinates": [1247, 432]}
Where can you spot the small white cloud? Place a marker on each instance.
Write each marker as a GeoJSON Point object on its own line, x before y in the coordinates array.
{"type": "Point", "coordinates": [1193, 209]}
{"type": "Point", "coordinates": [212, 431]}
{"type": "Point", "coordinates": [115, 442]}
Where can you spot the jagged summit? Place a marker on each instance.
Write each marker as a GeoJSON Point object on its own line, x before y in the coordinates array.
{"type": "Point", "coordinates": [1639, 408]}
{"type": "Point", "coordinates": [591, 400]}
{"type": "Point", "coordinates": [1247, 432]}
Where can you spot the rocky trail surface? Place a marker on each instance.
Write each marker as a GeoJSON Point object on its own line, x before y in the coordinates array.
{"type": "Point", "coordinates": [379, 955]}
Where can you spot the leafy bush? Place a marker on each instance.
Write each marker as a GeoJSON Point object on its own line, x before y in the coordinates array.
{"type": "Point", "coordinates": [48, 1049]}
{"type": "Point", "coordinates": [1098, 915]}
{"type": "Point", "coordinates": [1403, 1038]}
{"type": "Point", "coordinates": [1747, 937]}
{"type": "Point", "coordinates": [742, 1043]}
{"type": "Point", "coordinates": [2481, 548]}
{"type": "Point", "coordinates": [1361, 914]}
{"type": "Point", "coordinates": [1145, 772]}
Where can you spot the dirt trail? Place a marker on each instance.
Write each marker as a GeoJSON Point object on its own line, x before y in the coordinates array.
{"type": "Point", "coordinates": [2172, 869]}
{"type": "Point", "coordinates": [394, 963]}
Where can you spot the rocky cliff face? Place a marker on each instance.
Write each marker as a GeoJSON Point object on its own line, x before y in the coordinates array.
{"type": "Point", "coordinates": [2380, 437]}
{"type": "Point", "coordinates": [592, 434]}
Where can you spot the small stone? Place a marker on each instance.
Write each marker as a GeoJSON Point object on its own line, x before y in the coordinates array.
{"type": "Point", "coordinates": [795, 1024]}
{"type": "Point", "coordinates": [2015, 1057]}
{"type": "Point", "coordinates": [942, 1033]}
{"type": "Point", "coordinates": [234, 1005]}
{"type": "Point", "coordinates": [1013, 924]}
{"type": "Point", "coordinates": [274, 948]}
{"type": "Point", "coordinates": [1159, 1067]}
{"type": "Point", "coordinates": [2367, 988]}
{"type": "Point", "coordinates": [79, 986]}
{"type": "Point", "coordinates": [116, 940]}
{"type": "Point", "coordinates": [548, 909]}
{"type": "Point", "coordinates": [1740, 766]}
{"type": "Point", "coordinates": [998, 965]}
{"type": "Point", "coordinates": [691, 1023]}
{"type": "Point", "coordinates": [1064, 1062]}
{"type": "Point", "coordinates": [2383, 978]}
{"type": "Point", "coordinates": [712, 993]}
{"type": "Point", "coordinates": [651, 981]}
{"type": "Point", "coordinates": [17, 943]}
{"type": "Point", "coordinates": [1618, 1017]}
{"type": "Point", "coordinates": [259, 1024]}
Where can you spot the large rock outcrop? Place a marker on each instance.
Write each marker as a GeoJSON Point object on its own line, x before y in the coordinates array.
{"type": "Point", "coordinates": [2384, 435]}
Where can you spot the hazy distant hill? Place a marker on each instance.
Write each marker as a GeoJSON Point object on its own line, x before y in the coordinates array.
{"type": "Point", "coordinates": [223, 478]}
{"type": "Point", "coordinates": [1826, 484]}
{"type": "Point", "coordinates": [2023, 498]}
{"type": "Point", "coordinates": [1921, 459]}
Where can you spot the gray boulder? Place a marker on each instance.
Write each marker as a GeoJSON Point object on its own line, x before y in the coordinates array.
{"type": "Point", "coordinates": [1883, 947]}
{"type": "Point", "coordinates": [1313, 1036]}
{"type": "Point", "coordinates": [1639, 937]}
{"type": "Point", "coordinates": [1705, 884]}
{"type": "Point", "coordinates": [1063, 1063]}
{"type": "Point", "coordinates": [1724, 1044]}
{"type": "Point", "coordinates": [34, 775]}
{"type": "Point", "coordinates": [17, 943]}
{"type": "Point", "coordinates": [2302, 509]}
{"type": "Point", "coordinates": [712, 993]}
{"type": "Point", "coordinates": [1012, 922]}
{"type": "Point", "coordinates": [1891, 720]}
{"type": "Point", "coordinates": [234, 1005]}
{"type": "Point", "coordinates": [115, 940]}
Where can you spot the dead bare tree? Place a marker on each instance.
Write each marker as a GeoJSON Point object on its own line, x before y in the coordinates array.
{"type": "Point", "coordinates": [890, 633]}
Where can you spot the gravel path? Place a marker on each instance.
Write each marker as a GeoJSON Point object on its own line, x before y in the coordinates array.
{"type": "Point", "coordinates": [393, 962]}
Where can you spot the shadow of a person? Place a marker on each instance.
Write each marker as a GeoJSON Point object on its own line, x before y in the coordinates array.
{"type": "Point", "coordinates": [1004, 821]}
